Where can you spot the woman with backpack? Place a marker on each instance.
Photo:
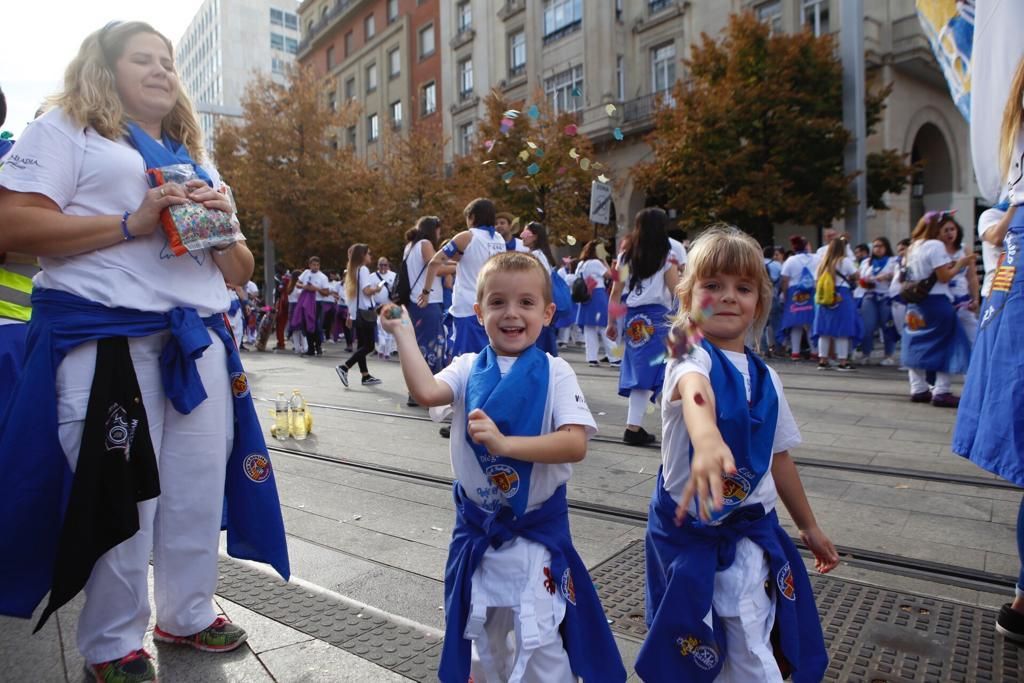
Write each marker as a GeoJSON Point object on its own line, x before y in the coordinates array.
{"type": "Point", "coordinates": [589, 292]}
{"type": "Point", "coordinates": [835, 312]}
{"type": "Point", "coordinates": [420, 245]}
{"type": "Point", "coordinates": [797, 294]}
{"type": "Point", "coordinates": [933, 338]}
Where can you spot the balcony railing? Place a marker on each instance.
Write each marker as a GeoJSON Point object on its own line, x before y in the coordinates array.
{"type": "Point", "coordinates": [560, 33]}
{"type": "Point", "coordinates": [644, 108]}
{"type": "Point", "coordinates": [334, 11]}
{"type": "Point", "coordinates": [655, 6]}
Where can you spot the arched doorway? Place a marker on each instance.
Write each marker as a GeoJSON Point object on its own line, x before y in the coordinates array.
{"type": "Point", "coordinates": [932, 186]}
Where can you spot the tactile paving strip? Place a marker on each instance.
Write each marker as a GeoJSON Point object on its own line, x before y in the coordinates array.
{"type": "Point", "coordinates": [405, 650]}
{"type": "Point", "coordinates": [873, 635]}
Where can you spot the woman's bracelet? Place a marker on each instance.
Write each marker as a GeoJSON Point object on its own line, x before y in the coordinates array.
{"type": "Point", "coordinates": [128, 237]}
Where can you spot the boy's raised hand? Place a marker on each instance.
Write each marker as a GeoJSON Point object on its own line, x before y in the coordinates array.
{"type": "Point", "coordinates": [825, 556]}
{"type": "Point", "coordinates": [706, 482]}
{"type": "Point", "coordinates": [483, 431]}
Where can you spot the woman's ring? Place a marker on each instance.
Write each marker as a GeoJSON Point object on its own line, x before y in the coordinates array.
{"type": "Point", "coordinates": [162, 192]}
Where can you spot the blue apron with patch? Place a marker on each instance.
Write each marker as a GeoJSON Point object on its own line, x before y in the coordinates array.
{"type": "Point", "coordinates": [467, 335]}
{"type": "Point", "coordinates": [516, 405]}
{"type": "Point", "coordinates": [990, 420]}
{"type": "Point", "coordinates": [933, 338]}
{"type": "Point", "coordinates": [643, 362]}
{"type": "Point", "coordinates": [586, 636]}
{"type": "Point", "coordinates": [594, 313]}
{"type": "Point", "coordinates": [798, 309]}
{"type": "Point", "coordinates": [841, 319]}
{"type": "Point", "coordinates": [681, 566]}
{"type": "Point", "coordinates": [37, 479]}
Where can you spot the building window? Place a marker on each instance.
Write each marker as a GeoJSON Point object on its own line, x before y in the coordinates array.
{"type": "Point", "coordinates": [369, 27]}
{"type": "Point", "coordinates": [620, 78]}
{"type": "Point", "coordinates": [372, 128]}
{"type": "Point", "coordinates": [561, 17]}
{"type": "Point", "coordinates": [618, 9]}
{"type": "Point", "coordinates": [466, 132]}
{"type": "Point", "coordinates": [429, 99]}
{"type": "Point", "coordinates": [771, 14]}
{"type": "Point", "coordinates": [465, 71]}
{"type": "Point", "coordinates": [396, 114]}
{"type": "Point", "coordinates": [392, 10]}
{"type": "Point", "coordinates": [291, 21]}
{"type": "Point", "coordinates": [371, 78]}
{"type": "Point", "coordinates": [663, 67]}
{"type": "Point", "coordinates": [815, 16]}
{"type": "Point", "coordinates": [277, 65]}
{"type": "Point", "coordinates": [276, 17]}
{"type": "Point", "coordinates": [657, 5]}
{"type": "Point", "coordinates": [348, 44]}
{"type": "Point", "coordinates": [517, 54]}
{"type": "Point", "coordinates": [291, 46]}
{"type": "Point", "coordinates": [276, 41]}
{"type": "Point", "coordinates": [350, 88]}
{"type": "Point", "coordinates": [332, 100]}
{"type": "Point", "coordinates": [426, 41]}
{"type": "Point", "coordinates": [464, 16]}
{"type": "Point", "coordinates": [394, 62]}
{"type": "Point", "coordinates": [559, 89]}
{"type": "Point", "coordinates": [350, 135]}
{"type": "Point", "coordinates": [330, 57]}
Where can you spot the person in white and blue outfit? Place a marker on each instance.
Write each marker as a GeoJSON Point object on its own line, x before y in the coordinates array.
{"type": "Point", "coordinates": [797, 293]}
{"type": "Point", "coordinates": [876, 274]}
{"type": "Point", "coordinates": [647, 278]}
{"type": "Point", "coordinates": [112, 290]}
{"type": "Point", "coordinates": [964, 288]}
{"type": "Point", "coordinates": [420, 247]}
{"type": "Point", "coordinates": [839, 319]}
{"type": "Point", "coordinates": [933, 339]}
{"type": "Point", "coordinates": [592, 315]}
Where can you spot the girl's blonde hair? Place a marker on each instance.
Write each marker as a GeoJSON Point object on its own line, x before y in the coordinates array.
{"type": "Point", "coordinates": [356, 260]}
{"type": "Point", "coordinates": [90, 94]}
{"type": "Point", "coordinates": [725, 250]}
{"type": "Point", "coordinates": [836, 253]}
{"type": "Point", "coordinates": [1013, 113]}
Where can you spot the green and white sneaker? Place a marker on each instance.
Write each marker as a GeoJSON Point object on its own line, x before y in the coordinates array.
{"type": "Point", "coordinates": [220, 636]}
{"type": "Point", "coordinates": [136, 667]}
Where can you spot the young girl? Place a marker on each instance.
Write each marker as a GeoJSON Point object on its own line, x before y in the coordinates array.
{"type": "Point", "coordinates": [875, 277]}
{"type": "Point", "coordinates": [933, 338]}
{"type": "Point", "coordinates": [648, 278]}
{"type": "Point", "coordinates": [964, 287]}
{"type": "Point", "coordinates": [798, 289]}
{"type": "Point", "coordinates": [837, 319]}
{"type": "Point", "coordinates": [592, 315]}
{"type": "Point", "coordinates": [724, 406]}
{"type": "Point", "coordinates": [519, 602]}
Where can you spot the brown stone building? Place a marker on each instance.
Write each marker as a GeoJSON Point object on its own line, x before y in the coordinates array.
{"type": "Point", "coordinates": [384, 54]}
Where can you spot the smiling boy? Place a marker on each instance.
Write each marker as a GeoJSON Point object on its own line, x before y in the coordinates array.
{"type": "Point", "coordinates": [512, 567]}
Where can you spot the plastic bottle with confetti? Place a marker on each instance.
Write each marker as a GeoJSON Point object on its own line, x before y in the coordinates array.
{"type": "Point", "coordinates": [298, 417]}
{"type": "Point", "coordinates": [281, 417]}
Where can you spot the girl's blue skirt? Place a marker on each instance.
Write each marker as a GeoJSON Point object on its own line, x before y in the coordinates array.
{"type": "Point", "coordinates": [643, 363]}
{"type": "Point", "coordinates": [841, 319]}
{"type": "Point", "coordinates": [933, 338]}
{"type": "Point", "coordinates": [594, 313]}
{"type": "Point", "coordinates": [430, 334]}
{"type": "Point", "coordinates": [990, 421]}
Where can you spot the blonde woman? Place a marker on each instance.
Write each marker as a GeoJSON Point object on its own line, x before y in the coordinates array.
{"type": "Point", "coordinates": [360, 291]}
{"type": "Point", "coordinates": [126, 336]}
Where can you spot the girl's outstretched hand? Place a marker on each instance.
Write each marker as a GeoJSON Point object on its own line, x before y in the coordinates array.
{"type": "Point", "coordinates": [708, 465]}
{"type": "Point", "coordinates": [825, 556]}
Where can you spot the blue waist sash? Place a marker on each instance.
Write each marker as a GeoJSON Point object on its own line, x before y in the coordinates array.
{"type": "Point", "coordinates": [681, 566]}
{"type": "Point", "coordinates": [593, 654]}
{"type": "Point", "coordinates": [37, 481]}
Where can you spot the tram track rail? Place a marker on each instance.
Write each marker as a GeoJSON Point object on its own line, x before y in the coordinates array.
{"type": "Point", "coordinates": [864, 558]}
{"type": "Point", "coordinates": [807, 462]}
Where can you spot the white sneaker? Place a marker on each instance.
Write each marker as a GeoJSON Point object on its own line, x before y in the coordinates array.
{"type": "Point", "coordinates": [887, 362]}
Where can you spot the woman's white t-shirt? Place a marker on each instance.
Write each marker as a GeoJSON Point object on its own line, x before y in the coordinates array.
{"type": "Point", "coordinates": [650, 290]}
{"type": "Point", "coordinates": [958, 286]}
{"type": "Point", "coordinates": [923, 257]}
{"type": "Point", "coordinates": [85, 174]}
{"type": "Point", "coordinates": [483, 245]}
{"type": "Point", "coordinates": [363, 280]}
{"type": "Point", "coordinates": [593, 270]}
{"type": "Point", "coordinates": [416, 268]}
{"type": "Point", "coordinates": [848, 270]}
{"type": "Point", "coordinates": [794, 266]}
{"type": "Point", "coordinates": [887, 271]}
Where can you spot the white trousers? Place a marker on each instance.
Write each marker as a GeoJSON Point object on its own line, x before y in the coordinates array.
{"type": "Point", "coordinates": [501, 659]}
{"type": "Point", "coordinates": [593, 337]}
{"type": "Point", "coordinates": [639, 402]}
{"type": "Point", "coordinates": [796, 334]}
{"type": "Point", "coordinates": [181, 528]}
{"type": "Point", "coordinates": [842, 347]}
{"type": "Point", "coordinates": [919, 381]}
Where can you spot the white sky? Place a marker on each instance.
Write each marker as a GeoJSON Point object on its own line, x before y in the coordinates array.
{"type": "Point", "coordinates": [41, 38]}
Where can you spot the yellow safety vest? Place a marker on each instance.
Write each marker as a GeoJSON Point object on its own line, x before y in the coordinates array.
{"type": "Point", "coordinates": [16, 271]}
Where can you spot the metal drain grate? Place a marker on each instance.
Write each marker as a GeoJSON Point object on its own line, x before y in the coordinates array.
{"type": "Point", "coordinates": [873, 635]}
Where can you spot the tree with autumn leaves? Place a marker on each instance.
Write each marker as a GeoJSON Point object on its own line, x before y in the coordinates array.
{"type": "Point", "coordinates": [755, 137]}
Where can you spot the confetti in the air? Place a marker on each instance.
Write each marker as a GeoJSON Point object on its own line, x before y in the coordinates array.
{"type": "Point", "coordinates": [539, 152]}
{"type": "Point", "coordinates": [488, 161]}
{"type": "Point", "coordinates": [573, 154]}
{"type": "Point", "coordinates": [507, 177]}
{"type": "Point", "coordinates": [489, 145]}
{"type": "Point", "coordinates": [617, 134]}
{"type": "Point", "coordinates": [540, 210]}
{"type": "Point", "coordinates": [524, 155]}
{"type": "Point", "coordinates": [585, 163]}
{"type": "Point", "coordinates": [533, 169]}
{"type": "Point", "coordinates": [531, 144]}
{"type": "Point", "coordinates": [571, 241]}
{"type": "Point", "coordinates": [562, 170]}
{"type": "Point", "coordinates": [616, 309]}
{"type": "Point", "coordinates": [610, 109]}
{"type": "Point", "coordinates": [511, 114]}
{"type": "Point", "coordinates": [571, 129]}
{"type": "Point", "coordinates": [658, 360]}
{"type": "Point", "coordinates": [534, 112]}
{"type": "Point", "coordinates": [603, 178]}
{"type": "Point", "coordinates": [506, 125]}
{"type": "Point", "coordinates": [502, 163]}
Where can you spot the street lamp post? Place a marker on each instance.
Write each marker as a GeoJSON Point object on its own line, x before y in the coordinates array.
{"type": "Point", "coordinates": [851, 45]}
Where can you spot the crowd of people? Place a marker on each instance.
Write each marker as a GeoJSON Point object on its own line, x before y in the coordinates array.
{"type": "Point", "coordinates": [126, 350]}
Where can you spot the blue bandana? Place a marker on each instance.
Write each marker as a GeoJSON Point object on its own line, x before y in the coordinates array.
{"type": "Point", "coordinates": [167, 154]}
{"type": "Point", "coordinates": [877, 264]}
{"type": "Point", "coordinates": [515, 406]}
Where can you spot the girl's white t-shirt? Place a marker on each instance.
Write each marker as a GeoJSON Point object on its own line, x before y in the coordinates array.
{"type": "Point", "coordinates": [593, 270]}
{"type": "Point", "coordinates": [85, 174]}
{"type": "Point", "coordinates": [795, 264]}
{"type": "Point", "coordinates": [363, 279]}
{"type": "Point", "coordinates": [650, 290]}
{"type": "Point", "coordinates": [848, 269]}
{"type": "Point", "coordinates": [882, 287]}
{"type": "Point", "coordinates": [415, 266]}
{"type": "Point", "coordinates": [923, 257]}
{"type": "Point", "coordinates": [675, 448]}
